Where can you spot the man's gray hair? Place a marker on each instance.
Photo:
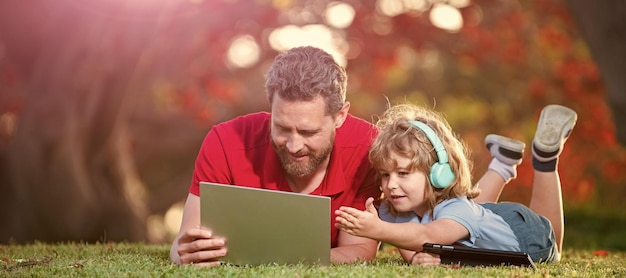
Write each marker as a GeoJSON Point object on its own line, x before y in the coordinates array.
{"type": "Point", "coordinates": [304, 73]}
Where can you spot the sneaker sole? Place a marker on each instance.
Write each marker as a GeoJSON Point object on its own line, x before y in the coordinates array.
{"type": "Point", "coordinates": [555, 124]}
{"type": "Point", "coordinates": [510, 151]}
{"type": "Point", "coordinates": [508, 143]}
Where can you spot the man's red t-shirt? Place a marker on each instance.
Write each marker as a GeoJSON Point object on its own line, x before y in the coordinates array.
{"type": "Point", "coordinates": [239, 152]}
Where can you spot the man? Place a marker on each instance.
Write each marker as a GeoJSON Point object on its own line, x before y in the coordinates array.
{"type": "Point", "coordinates": [309, 144]}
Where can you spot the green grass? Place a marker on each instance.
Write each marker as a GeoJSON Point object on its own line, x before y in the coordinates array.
{"type": "Point", "coordinates": [143, 260]}
{"type": "Point", "coordinates": [589, 231]}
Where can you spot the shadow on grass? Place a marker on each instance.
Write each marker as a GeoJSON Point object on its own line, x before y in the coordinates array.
{"type": "Point", "coordinates": [26, 263]}
{"type": "Point", "coordinates": [595, 229]}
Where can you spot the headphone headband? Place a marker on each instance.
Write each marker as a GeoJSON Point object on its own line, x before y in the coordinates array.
{"type": "Point", "coordinates": [441, 174]}
{"type": "Point", "coordinates": [442, 155]}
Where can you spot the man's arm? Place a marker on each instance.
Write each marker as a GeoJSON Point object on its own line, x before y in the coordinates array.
{"type": "Point", "coordinates": [194, 244]}
{"type": "Point", "coordinates": [191, 219]}
{"type": "Point", "coordinates": [353, 249]}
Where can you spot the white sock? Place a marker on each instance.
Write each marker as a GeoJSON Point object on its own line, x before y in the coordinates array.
{"type": "Point", "coordinates": [506, 171]}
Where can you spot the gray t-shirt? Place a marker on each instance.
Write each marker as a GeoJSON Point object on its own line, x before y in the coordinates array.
{"type": "Point", "coordinates": [486, 229]}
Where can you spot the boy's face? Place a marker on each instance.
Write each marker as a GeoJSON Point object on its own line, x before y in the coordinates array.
{"type": "Point", "coordinates": [405, 189]}
{"type": "Point", "coordinates": [303, 134]}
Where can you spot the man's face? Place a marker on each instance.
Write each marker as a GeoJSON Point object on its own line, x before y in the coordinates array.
{"type": "Point", "coordinates": [302, 135]}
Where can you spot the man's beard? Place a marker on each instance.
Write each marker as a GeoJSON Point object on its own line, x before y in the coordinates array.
{"type": "Point", "coordinates": [301, 169]}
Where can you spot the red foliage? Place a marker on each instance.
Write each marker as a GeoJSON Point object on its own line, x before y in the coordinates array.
{"type": "Point", "coordinates": [546, 48]}
{"type": "Point", "coordinates": [225, 91]}
{"type": "Point", "coordinates": [537, 87]}
{"type": "Point", "coordinates": [555, 38]}
{"type": "Point", "coordinates": [601, 253]}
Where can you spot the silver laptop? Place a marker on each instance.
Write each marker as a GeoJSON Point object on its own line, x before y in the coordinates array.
{"type": "Point", "coordinates": [265, 226]}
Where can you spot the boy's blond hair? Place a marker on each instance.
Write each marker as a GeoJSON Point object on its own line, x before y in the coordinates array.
{"type": "Point", "coordinates": [397, 135]}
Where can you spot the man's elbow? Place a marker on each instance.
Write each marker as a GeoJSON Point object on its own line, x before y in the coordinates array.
{"type": "Point", "coordinates": [354, 253]}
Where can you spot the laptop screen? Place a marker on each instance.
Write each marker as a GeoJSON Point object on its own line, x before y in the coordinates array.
{"type": "Point", "coordinates": [265, 226]}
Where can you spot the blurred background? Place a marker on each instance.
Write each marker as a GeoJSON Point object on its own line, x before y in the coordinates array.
{"type": "Point", "coordinates": [104, 103]}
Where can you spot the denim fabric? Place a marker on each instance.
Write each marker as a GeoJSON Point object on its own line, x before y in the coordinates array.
{"type": "Point", "coordinates": [534, 232]}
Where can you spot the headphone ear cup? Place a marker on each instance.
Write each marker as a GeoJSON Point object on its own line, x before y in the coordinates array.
{"type": "Point", "coordinates": [441, 175]}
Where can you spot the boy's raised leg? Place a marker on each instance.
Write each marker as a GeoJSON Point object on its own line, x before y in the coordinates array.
{"type": "Point", "coordinates": [507, 154]}
{"type": "Point", "coordinates": [554, 127]}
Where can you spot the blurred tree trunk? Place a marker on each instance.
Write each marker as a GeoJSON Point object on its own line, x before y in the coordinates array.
{"type": "Point", "coordinates": [603, 26]}
{"type": "Point", "coordinates": [69, 165]}
{"type": "Point", "coordinates": [100, 141]}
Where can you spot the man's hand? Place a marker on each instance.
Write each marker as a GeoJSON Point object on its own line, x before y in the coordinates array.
{"type": "Point", "coordinates": [197, 246]}
{"type": "Point", "coordinates": [359, 223]}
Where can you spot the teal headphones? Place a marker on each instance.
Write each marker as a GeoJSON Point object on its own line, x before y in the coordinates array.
{"type": "Point", "coordinates": [441, 174]}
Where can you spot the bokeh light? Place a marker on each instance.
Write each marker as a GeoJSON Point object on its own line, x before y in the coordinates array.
{"type": "Point", "coordinates": [243, 52]}
{"type": "Point", "coordinates": [446, 17]}
{"type": "Point", "coordinates": [339, 15]}
{"type": "Point", "coordinates": [317, 35]}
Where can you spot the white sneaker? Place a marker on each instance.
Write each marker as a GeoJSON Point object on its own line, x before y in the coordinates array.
{"type": "Point", "coordinates": [508, 151]}
{"type": "Point", "coordinates": [554, 127]}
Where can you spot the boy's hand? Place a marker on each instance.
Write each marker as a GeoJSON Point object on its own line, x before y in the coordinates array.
{"type": "Point", "coordinates": [356, 222]}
